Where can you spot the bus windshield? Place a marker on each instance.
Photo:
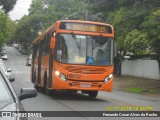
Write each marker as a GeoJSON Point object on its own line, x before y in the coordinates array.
{"type": "Point", "coordinates": [84, 49]}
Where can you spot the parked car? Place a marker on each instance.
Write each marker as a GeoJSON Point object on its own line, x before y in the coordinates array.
{"type": "Point", "coordinates": [9, 101]}
{"type": "Point", "coordinates": [24, 51]}
{"type": "Point", "coordinates": [29, 60]}
{"type": "Point", "coordinates": [3, 67]}
{"type": "Point", "coordinates": [4, 56]}
{"type": "Point", "coordinates": [3, 51]}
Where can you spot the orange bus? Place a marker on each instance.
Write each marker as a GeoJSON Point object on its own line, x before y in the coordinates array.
{"type": "Point", "coordinates": [74, 55]}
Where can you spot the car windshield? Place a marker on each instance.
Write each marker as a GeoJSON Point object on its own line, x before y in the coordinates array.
{"type": "Point", "coordinates": [5, 94]}
{"type": "Point", "coordinates": [84, 49]}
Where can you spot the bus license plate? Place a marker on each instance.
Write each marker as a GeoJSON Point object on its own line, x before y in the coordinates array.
{"type": "Point", "coordinates": [85, 85]}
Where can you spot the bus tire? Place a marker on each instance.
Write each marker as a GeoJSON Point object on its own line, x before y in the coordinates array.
{"type": "Point", "coordinates": [46, 90]}
{"type": "Point", "coordinates": [93, 94]}
{"type": "Point", "coordinates": [37, 88]}
{"type": "Point", "coordinates": [35, 85]}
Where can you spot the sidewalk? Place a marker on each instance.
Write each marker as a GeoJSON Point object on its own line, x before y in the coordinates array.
{"type": "Point", "coordinates": [137, 85]}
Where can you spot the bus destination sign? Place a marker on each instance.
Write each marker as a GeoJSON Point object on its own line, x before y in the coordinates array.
{"type": "Point", "coordinates": [85, 27]}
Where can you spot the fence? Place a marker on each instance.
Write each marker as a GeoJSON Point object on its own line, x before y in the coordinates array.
{"type": "Point", "coordinates": [141, 68]}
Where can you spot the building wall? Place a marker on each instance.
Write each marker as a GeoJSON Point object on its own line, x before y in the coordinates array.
{"type": "Point", "coordinates": [141, 68]}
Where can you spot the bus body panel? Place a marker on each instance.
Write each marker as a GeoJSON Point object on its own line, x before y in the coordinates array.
{"type": "Point", "coordinates": [81, 81]}
{"type": "Point", "coordinates": [58, 84]}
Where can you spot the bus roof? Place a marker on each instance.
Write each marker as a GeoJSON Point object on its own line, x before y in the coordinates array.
{"type": "Point", "coordinates": [67, 21]}
{"type": "Point", "coordinates": [82, 21]}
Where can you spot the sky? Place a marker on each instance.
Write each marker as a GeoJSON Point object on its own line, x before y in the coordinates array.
{"type": "Point", "coordinates": [20, 9]}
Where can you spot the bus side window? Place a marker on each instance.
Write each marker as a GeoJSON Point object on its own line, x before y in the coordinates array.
{"type": "Point", "coordinates": [44, 45]}
{"type": "Point", "coordinates": [52, 39]}
{"type": "Point", "coordinates": [35, 49]}
{"type": "Point", "coordinates": [38, 48]}
{"type": "Point", "coordinates": [49, 36]}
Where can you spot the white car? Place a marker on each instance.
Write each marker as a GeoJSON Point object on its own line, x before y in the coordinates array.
{"type": "Point", "coordinates": [3, 67]}
{"type": "Point", "coordinates": [29, 61]}
{"type": "Point", "coordinates": [4, 57]}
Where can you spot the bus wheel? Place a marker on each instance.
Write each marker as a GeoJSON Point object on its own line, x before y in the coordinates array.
{"type": "Point", "coordinates": [46, 90]}
{"type": "Point", "coordinates": [37, 87]}
{"type": "Point", "coordinates": [93, 94]}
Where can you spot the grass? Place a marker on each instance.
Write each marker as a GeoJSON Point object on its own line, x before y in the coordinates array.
{"type": "Point", "coordinates": [140, 90]}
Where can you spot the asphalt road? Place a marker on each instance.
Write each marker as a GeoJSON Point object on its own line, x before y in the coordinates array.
{"type": "Point", "coordinates": [65, 101]}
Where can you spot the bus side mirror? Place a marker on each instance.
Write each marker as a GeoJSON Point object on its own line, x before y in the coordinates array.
{"type": "Point", "coordinates": [52, 45]}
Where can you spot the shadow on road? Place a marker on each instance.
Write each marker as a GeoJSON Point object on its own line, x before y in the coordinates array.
{"type": "Point", "coordinates": [68, 95]}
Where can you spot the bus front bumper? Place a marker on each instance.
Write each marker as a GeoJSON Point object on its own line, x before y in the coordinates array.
{"type": "Point", "coordinates": [59, 84]}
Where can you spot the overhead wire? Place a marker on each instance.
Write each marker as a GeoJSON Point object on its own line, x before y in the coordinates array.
{"type": "Point", "coordinates": [141, 10]}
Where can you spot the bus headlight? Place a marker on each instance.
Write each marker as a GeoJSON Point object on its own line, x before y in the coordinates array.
{"type": "Point", "coordinates": [57, 73]}
{"type": "Point", "coordinates": [63, 77]}
{"type": "Point", "coordinates": [108, 78]}
{"type": "Point", "coordinates": [60, 75]}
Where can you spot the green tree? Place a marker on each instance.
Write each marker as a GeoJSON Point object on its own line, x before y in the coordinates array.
{"type": "Point", "coordinates": [27, 29]}
{"type": "Point", "coordinates": [4, 28]}
{"type": "Point", "coordinates": [129, 33]}
{"type": "Point", "coordinates": [12, 29]}
{"type": "Point", "coordinates": [7, 5]}
{"type": "Point", "coordinates": [136, 42]}
{"type": "Point", "coordinates": [42, 15]}
{"type": "Point", "coordinates": [135, 22]}
{"type": "Point", "coordinates": [151, 26]}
